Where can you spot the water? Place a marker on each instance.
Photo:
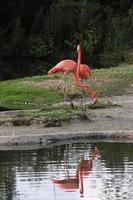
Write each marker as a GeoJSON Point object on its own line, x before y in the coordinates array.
{"type": "Point", "coordinates": [68, 172]}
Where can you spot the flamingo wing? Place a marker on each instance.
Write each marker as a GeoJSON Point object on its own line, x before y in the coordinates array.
{"type": "Point", "coordinates": [64, 66]}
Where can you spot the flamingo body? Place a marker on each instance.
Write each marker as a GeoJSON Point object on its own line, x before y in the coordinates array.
{"type": "Point", "coordinates": [70, 66]}
{"type": "Point", "coordinates": [84, 71]}
{"type": "Point", "coordinates": [65, 66]}
{"type": "Point", "coordinates": [68, 183]}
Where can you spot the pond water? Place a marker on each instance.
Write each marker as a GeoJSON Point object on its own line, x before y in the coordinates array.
{"type": "Point", "coordinates": [72, 171]}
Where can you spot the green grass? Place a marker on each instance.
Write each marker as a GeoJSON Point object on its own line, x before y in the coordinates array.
{"type": "Point", "coordinates": [19, 94]}
{"type": "Point", "coordinates": [25, 93]}
{"type": "Point", "coordinates": [56, 113]}
{"type": "Point", "coordinates": [113, 81]}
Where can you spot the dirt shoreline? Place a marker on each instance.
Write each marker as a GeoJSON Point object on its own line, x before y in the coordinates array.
{"type": "Point", "coordinates": [104, 124]}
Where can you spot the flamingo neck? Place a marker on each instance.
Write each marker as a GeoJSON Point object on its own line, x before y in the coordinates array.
{"type": "Point", "coordinates": [78, 62]}
{"type": "Point", "coordinates": [94, 154]}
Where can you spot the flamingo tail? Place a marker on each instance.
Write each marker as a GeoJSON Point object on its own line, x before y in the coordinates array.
{"type": "Point", "coordinates": [54, 69]}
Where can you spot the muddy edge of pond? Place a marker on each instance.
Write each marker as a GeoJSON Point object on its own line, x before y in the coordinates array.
{"type": "Point", "coordinates": [44, 140]}
{"type": "Point", "coordinates": [105, 124]}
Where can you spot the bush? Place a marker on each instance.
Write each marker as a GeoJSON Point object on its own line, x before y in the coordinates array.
{"type": "Point", "coordinates": [113, 58]}
{"type": "Point", "coordinates": [41, 47]}
{"type": "Point", "coordinates": [115, 48]}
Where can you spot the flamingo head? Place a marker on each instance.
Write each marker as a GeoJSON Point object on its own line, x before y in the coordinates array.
{"type": "Point", "coordinates": [96, 149]}
{"type": "Point", "coordinates": [94, 96]}
{"type": "Point", "coordinates": [95, 153]}
{"type": "Point", "coordinates": [78, 47]}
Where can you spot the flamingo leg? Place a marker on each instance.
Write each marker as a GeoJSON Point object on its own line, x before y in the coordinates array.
{"type": "Point", "coordinates": [64, 88]}
{"type": "Point", "coordinates": [65, 93]}
{"type": "Point", "coordinates": [64, 76]}
{"type": "Point", "coordinates": [83, 93]}
{"type": "Point", "coordinates": [83, 96]}
{"type": "Point", "coordinates": [61, 80]}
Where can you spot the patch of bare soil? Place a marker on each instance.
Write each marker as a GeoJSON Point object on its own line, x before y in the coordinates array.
{"type": "Point", "coordinates": [47, 83]}
{"type": "Point", "coordinates": [44, 84]}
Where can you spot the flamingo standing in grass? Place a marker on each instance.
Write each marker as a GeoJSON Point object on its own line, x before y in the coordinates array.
{"type": "Point", "coordinates": [66, 66]}
{"type": "Point", "coordinates": [83, 71]}
{"type": "Point", "coordinates": [79, 70]}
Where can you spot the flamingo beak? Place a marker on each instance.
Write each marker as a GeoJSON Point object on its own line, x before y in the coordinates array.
{"type": "Point", "coordinates": [94, 100]}
{"type": "Point", "coordinates": [94, 96]}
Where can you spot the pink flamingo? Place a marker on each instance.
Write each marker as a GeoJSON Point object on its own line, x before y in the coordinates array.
{"type": "Point", "coordinates": [83, 71]}
{"type": "Point", "coordinates": [65, 66]}
{"type": "Point", "coordinates": [78, 70]}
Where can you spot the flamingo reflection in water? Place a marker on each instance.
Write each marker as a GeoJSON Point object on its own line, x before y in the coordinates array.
{"type": "Point", "coordinates": [76, 182]}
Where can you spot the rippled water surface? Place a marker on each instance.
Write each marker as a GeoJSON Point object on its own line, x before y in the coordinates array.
{"type": "Point", "coordinates": [85, 170]}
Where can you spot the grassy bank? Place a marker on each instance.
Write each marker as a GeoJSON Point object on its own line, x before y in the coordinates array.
{"type": "Point", "coordinates": [40, 92]}
{"type": "Point", "coordinates": [114, 81]}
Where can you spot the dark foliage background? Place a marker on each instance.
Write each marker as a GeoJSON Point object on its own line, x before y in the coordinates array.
{"type": "Point", "coordinates": [42, 32]}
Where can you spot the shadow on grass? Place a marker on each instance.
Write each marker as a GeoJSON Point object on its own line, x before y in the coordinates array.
{"type": "Point", "coordinates": [5, 109]}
